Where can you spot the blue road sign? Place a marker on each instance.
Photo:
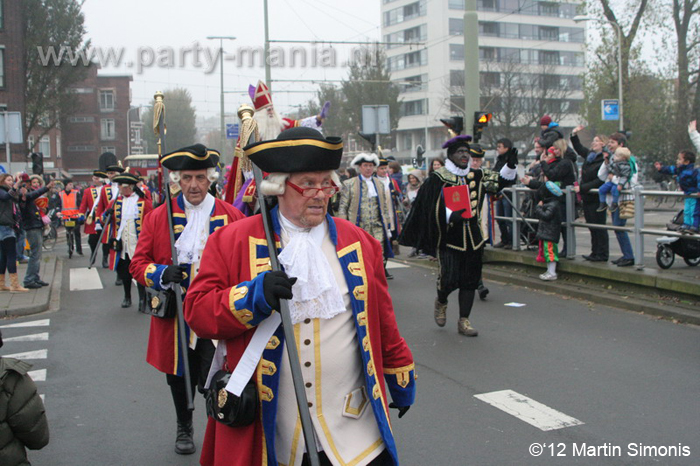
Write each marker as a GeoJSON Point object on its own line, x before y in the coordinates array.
{"type": "Point", "coordinates": [231, 131]}
{"type": "Point", "coordinates": [610, 109]}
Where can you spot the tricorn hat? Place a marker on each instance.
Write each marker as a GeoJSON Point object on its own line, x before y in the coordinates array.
{"type": "Point", "coordinates": [196, 157]}
{"type": "Point", "coordinates": [475, 150]}
{"type": "Point", "coordinates": [296, 150]}
{"type": "Point", "coordinates": [115, 168]}
{"type": "Point", "coordinates": [126, 178]}
{"type": "Point", "coordinates": [363, 157]}
{"type": "Point", "coordinates": [99, 174]}
{"type": "Point", "coordinates": [383, 162]}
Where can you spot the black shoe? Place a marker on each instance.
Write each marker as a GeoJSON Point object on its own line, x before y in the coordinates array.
{"type": "Point", "coordinates": [142, 304]}
{"type": "Point", "coordinates": [388, 275]}
{"type": "Point", "coordinates": [602, 207]}
{"type": "Point", "coordinates": [118, 282]}
{"type": "Point", "coordinates": [616, 261]}
{"type": "Point", "coordinates": [598, 259]}
{"type": "Point", "coordinates": [625, 262]}
{"type": "Point", "coordinates": [126, 302]}
{"type": "Point", "coordinates": [507, 246]}
{"type": "Point", "coordinates": [105, 263]}
{"type": "Point", "coordinates": [483, 292]}
{"type": "Point", "coordinates": [184, 443]}
{"type": "Point", "coordinates": [499, 245]}
{"type": "Point", "coordinates": [80, 253]}
{"type": "Point", "coordinates": [614, 207]}
{"type": "Point", "coordinates": [42, 283]}
{"type": "Point", "coordinates": [589, 258]}
{"type": "Point", "coordinates": [32, 285]}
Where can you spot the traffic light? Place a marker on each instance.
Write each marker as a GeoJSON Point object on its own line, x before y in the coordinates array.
{"type": "Point", "coordinates": [371, 138]}
{"type": "Point", "coordinates": [481, 121]}
{"type": "Point", "coordinates": [455, 124]}
{"type": "Point", "coordinates": [37, 163]}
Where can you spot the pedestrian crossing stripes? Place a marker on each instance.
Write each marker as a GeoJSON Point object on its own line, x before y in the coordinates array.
{"type": "Point", "coordinates": [526, 409]}
{"type": "Point", "coordinates": [38, 375]}
{"type": "Point", "coordinates": [38, 354]}
{"type": "Point", "coordinates": [82, 279]}
{"type": "Point", "coordinates": [396, 265]}
{"type": "Point", "coordinates": [35, 337]}
{"type": "Point", "coordinates": [34, 323]}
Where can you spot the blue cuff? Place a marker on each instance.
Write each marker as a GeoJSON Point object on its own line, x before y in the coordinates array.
{"type": "Point", "coordinates": [401, 383]}
{"type": "Point", "coordinates": [247, 302]}
{"type": "Point", "coordinates": [152, 276]}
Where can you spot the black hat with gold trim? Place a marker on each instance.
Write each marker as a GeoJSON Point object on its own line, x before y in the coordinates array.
{"type": "Point", "coordinates": [383, 162]}
{"type": "Point", "coordinates": [296, 150]}
{"type": "Point", "coordinates": [99, 174]}
{"type": "Point", "coordinates": [476, 151]}
{"type": "Point", "coordinates": [196, 157]}
{"type": "Point", "coordinates": [115, 168]}
{"type": "Point", "coordinates": [126, 178]}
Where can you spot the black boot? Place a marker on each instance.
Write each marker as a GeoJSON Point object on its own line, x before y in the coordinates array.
{"type": "Point", "coordinates": [126, 302]}
{"type": "Point", "coordinates": [184, 444]}
{"type": "Point", "coordinates": [483, 292]}
{"type": "Point", "coordinates": [118, 282]}
{"type": "Point", "coordinates": [105, 263]}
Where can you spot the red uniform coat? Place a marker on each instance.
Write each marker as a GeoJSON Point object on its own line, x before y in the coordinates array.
{"type": "Point", "coordinates": [89, 198]}
{"type": "Point", "coordinates": [226, 302]}
{"type": "Point", "coordinates": [106, 199]}
{"type": "Point", "coordinates": [151, 258]}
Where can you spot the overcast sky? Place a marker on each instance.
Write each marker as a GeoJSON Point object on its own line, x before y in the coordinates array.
{"type": "Point", "coordinates": [145, 25]}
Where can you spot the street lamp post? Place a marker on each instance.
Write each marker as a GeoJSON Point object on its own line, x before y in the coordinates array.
{"type": "Point", "coordinates": [221, 57]}
{"type": "Point", "coordinates": [579, 19]}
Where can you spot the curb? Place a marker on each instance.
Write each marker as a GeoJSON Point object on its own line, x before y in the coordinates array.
{"type": "Point", "coordinates": [647, 306]}
{"type": "Point", "coordinates": [55, 280]}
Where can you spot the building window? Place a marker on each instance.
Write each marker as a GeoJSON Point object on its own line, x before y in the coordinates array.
{"type": "Point", "coordinates": [59, 152]}
{"type": "Point", "coordinates": [456, 4]}
{"type": "Point", "coordinates": [45, 146]}
{"type": "Point", "coordinates": [457, 52]}
{"type": "Point", "coordinates": [491, 79]}
{"type": "Point", "coordinates": [81, 148]}
{"type": "Point", "coordinates": [549, 9]}
{"type": "Point", "coordinates": [106, 101]}
{"type": "Point", "coordinates": [456, 27]}
{"type": "Point", "coordinates": [2, 67]}
{"type": "Point", "coordinates": [487, 53]}
{"type": "Point", "coordinates": [413, 107]}
{"type": "Point", "coordinates": [414, 83]}
{"type": "Point", "coordinates": [486, 5]}
{"type": "Point", "coordinates": [488, 28]}
{"type": "Point", "coordinates": [407, 140]}
{"type": "Point", "coordinates": [404, 13]}
{"type": "Point", "coordinates": [107, 129]}
{"type": "Point", "coordinates": [2, 14]}
{"type": "Point", "coordinates": [111, 149]}
{"type": "Point", "coordinates": [87, 119]}
{"type": "Point", "coordinates": [549, 57]}
{"type": "Point", "coordinates": [456, 78]}
{"type": "Point", "coordinates": [549, 33]}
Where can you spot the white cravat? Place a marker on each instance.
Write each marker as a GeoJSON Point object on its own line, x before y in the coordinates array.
{"type": "Point", "coordinates": [454, 169]}
{"type": "Point", "coordinates": [316, 294]}
{"type": "Point", "coordinates": [372, 190]}
{"type": "Point", "coordinates": [386, 181]}
{"type": "Point", "coordinates": [130, 211]}
{"type": "Point", "coordinates": [193, 238]}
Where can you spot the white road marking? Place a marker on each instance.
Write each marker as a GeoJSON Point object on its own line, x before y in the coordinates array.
{"type": "Point", "coordinates": [396, 265]}
{"type": "Point", "coordinates": [515, 304]}
{"type": "Point", "coordinates": [34, 337]}
{"type": "Point", "coordinates": [38, 375]}
{"type": "Point", "coordinates": [82, 279]}
{"type": "Point", "coordinates": [43, 398]}
{"type": "Point", "coordinates": [528, 410]}
{"type": "Point", "coordinates": [38, 354]}
{"type": "Point", "coordinates": [34, 323]}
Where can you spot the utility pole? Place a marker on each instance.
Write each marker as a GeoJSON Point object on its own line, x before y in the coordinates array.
{"type": "Point", "coordinates": [471, 63]}
{"type": "Point", "coordinates": [268, 71]}
{"type": "Point", "coordinates": [221, 57]}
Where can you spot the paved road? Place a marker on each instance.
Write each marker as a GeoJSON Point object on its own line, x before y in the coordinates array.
{"type": "Point", "coordinates": [612, 377]}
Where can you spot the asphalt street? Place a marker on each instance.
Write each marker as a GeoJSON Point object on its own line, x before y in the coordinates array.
{"type": "Point", "coordinates": [589, 375]}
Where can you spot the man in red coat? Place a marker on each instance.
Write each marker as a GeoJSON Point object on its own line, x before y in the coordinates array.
{"type": "Point", "coordinates": [88, 210]}
{"type": "Point", "coordinates": [350, 348]}
{"type": "Point", "coordinates": [108, 194]}
{"type": "Point", "coordinates": [196, 214]}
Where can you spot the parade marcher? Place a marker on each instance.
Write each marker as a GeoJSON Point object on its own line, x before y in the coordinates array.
{"type": "Point", "coordinates": [88, 211]}
{"type": "Point", "coordinates": [34, 228]}
{"type": "Point", "coordinates": [395, 198]}
{"type": "Point", "coordinates": [477, 161]}
{"type": "Point", "coordinates": [593, 158]}
{"type": "Point", "coordinates": [348, 339]}
{"type": "Point", "coordinates": [456, 241]}
{"type": "Point", "coordinates": [364, 202]}
{"type": "Point", "coordinates": [23, 422]}
{"type": "Point", "coordinates": [70, 212]}
{"type": "Point", "coordinates": [128, 212]}
{"type": "Point", "coordinates": [196, 215]}
{"type": "Point", "coordinates": [9, 218]}
{"type": "Point", "coordinates": [108, 193]}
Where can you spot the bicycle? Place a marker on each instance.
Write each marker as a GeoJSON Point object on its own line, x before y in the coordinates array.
{"type": "Point", "coordinates": [50, 234]}
{"type": "Point", "coordinates": [70, 224]}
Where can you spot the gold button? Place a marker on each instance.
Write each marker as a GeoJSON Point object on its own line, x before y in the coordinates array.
{"type": "Point", "coordinates": [307, 321]}
{"type": "Point", "coordinates": [307, 342]}
{"type": "Point", "coordinates": [307, 364]}
{"type": "Point", "coordinates": [308, 384]}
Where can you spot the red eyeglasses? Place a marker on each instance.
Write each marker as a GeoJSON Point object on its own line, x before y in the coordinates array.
{"type": "Point", "coordinates": [327, 191]}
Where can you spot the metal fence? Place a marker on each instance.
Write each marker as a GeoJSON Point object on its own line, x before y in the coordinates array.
{"type": "Point", "coordinates": [636, 230]}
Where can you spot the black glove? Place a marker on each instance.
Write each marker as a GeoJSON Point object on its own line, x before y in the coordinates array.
{"type": "Point", "coordinates": [512, 158]}
{"type": "Point", "coordinates": [108, 213]}
{"type": "Point", "coordinates": [402, 409]}
{"type": "Point", "coordinates": [456, 216]}
{"type": "Point", "coordinates": [174, 274]}
{"type": "Point", "coordinates": [277, 285]}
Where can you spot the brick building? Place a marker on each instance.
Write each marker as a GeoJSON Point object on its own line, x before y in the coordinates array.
{"type": "Point", "coordinates": [12, 75]}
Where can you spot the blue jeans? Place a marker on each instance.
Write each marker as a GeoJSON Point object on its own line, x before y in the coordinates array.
{"type": "Point", "coordinates": [622, 237]}
{"type": "Point", "coordinates": [608, 187]}
{"type": "Point", "coordinates": [504, 209]}
{"type": "Point", "coordinates": [21, 236]}
{"type": "Point", "coordinates": [35, 238]}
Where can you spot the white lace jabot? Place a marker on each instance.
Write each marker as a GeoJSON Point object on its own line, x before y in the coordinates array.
{"type": "Point", "coordinates": [316, 294]}
{"type": "Point", "coordinates": [454, 169]}
{"type": "Point", "coordinates": [193, 238]}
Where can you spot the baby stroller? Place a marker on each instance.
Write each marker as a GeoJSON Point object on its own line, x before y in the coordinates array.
{"type": "Point", "coordinates": [668, 246]}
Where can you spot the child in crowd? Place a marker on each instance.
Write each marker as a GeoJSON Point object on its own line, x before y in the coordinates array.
{"type": "Point", "coordinates": [549, 228]}
{"type": "Point", "coordinates": [619, 174]}
{"type": "Point", "coordinates": [688, 177]}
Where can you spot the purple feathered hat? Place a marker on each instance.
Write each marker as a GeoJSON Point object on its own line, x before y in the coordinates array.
{"type": "Point", "coordinates": [458, 141]}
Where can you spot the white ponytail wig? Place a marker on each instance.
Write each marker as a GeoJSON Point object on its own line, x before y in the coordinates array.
{"type": "Point", "coordinates": [276, 183]}
{"type": "Point", "coordinates": [212, 175]}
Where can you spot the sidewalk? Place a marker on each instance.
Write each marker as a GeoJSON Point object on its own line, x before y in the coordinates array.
{"type": "Point", "coordinates": [37, 300]}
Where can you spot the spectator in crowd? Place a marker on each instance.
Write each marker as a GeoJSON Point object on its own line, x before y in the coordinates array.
{"type": "Point", "coordinates": [550, 132]}
{"type": "Point", "coordinates": [415, 179]}
{"type": "Point", "coordinates": [9, 220]}
{"type": "Point", "coordinates": [436, 163]}
{"type": "Point", "coordinates": [593, 158]}
{"type": "Point", "coordinates": [688, 177]}
{"type": "Point", "coordinates": [616, 141]}
{"type": "Point", "coordinates": [619, 173]}
{"type": "Point", "coordinates": [23, 421]}
{"type": "Point", "coordinates": [34, 228]}
{"type": "Point", "coordinates": [396, 173]}
{"type": "Point", "coordinates": [21, 234]}
{"type": "Point", "coordinates": [504, 207]}
{"type": "Point", "coordinates": [694, 135]}
{"type": "Point", "coordinates": [548, 229]}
